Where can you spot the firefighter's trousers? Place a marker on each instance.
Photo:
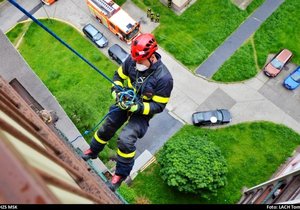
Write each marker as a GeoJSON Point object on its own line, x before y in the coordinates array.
{"type": "Point", "coordinates": [135, 128]}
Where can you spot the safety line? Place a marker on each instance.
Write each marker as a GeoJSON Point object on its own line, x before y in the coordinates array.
{"type": "Point", "coordinates": [132, 95]}
{"type": "Point", "coordinates": [63, 42]}
{"type": "Point", "coordinates": [89, 131]}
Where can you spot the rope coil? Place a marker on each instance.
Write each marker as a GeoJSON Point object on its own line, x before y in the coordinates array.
{"type": "Point", "coordinates": [126, 98]}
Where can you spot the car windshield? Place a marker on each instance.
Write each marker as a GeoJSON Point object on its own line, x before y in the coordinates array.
{"type": "Point", "coordinates": [277, 64]}
{"type": "Point", "coordinates": [98, 36]}
{"type": "Point", "coordinates": [132, 33]}
{"type": "Point", "coordinates": [199, 117]}
{"type": "Point", "coordinates": [219, 114]}
{"type": "Point", "coordinates": [296, 76]}
{"type": "Point", "coordinates": [121, 53]}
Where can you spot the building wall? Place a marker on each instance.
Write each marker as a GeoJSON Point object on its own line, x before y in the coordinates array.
{"type": "Point", "coordinates": [13, 66]}
{"type": "Point", "coordinates": [32, 159]}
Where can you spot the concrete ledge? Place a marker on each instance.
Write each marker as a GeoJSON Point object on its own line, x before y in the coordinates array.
{"type": "Point", "coordinates": [141, 163]}
{"type": "Point", "coordinates": [242, 4]}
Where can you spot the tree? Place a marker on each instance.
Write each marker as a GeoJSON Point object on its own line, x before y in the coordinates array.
{"type": "Point", "coordinates": [193, 165]}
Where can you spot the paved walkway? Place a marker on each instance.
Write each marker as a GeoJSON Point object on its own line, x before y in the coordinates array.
{"type": "Point", "coordinates": [234, 41]}
{"type": "Point", "coordinates": [253, 100]}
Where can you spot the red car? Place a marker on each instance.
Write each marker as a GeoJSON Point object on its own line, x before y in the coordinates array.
{"type": "Point", "coordinates": [274, 67]}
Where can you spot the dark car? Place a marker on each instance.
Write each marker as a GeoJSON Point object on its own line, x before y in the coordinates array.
{"type": "Point", "coordinates": [95, 35]}
{"type": "Point", "coordinates": [117, 53]}
{"type": "Point", "coordinates": [212, 117]}
{"type": "Point", "coordinates": [292, 81]}
{"type": "Point", "coordinates": [274, 67]}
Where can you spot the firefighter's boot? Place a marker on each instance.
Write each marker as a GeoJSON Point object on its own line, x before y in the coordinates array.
{"type": "Point", "coordinates": [116, 182]}
{"type": "Point", "coordinates": [88, 154]}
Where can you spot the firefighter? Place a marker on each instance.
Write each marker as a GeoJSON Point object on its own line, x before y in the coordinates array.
{"type": "Point", "coordinates": [157, 18]}
{"type": "Point", "coordinates": [169, 3]}
{"type": "Point", "coordinates": [143, 73]}
{"type": "Point", "coordinates": [152, 18]}
{"type": "Point", "coordinates": [148, 13]}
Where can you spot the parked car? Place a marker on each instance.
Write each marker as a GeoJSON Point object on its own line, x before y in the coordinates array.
{"type": "Point", "coordinates": [117, 53]}
{"type": "Point", "coordinates": [95, 35]}
{"type": "Point", "coordinates": [212, 117]}
{"type": "Point", "coordinates": [292, 81]}
{"type": "Point", "coordinates": [274, 67]}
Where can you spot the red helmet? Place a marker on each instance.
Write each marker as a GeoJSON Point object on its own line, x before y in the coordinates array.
{"type": "Point", "coordinates": [143, 47]}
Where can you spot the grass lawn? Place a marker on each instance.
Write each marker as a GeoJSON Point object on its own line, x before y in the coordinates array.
{"type": "Point", "coordinates": [253, 152]}
{"type": "Point", "coordinates": [83, 93]}
{"type": "Point", "coordinates": [194, 35]}
{"type": "Point", "coordinates": [120, 2]}
{"type": "Point", "coordinates": [281, 30]}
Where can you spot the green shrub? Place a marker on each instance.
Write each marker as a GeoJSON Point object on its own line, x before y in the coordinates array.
{"type": "Point", "coordinates": [128, 194]}
{"type": "Point", "coordinates": [193, 165]}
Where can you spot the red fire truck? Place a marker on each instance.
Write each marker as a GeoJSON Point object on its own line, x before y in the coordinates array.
{"type": "Point", "coordinates": [115, 19]}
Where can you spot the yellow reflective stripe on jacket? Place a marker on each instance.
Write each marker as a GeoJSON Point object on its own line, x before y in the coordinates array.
{"type": "Point", "coordinates": [146, 108]}
{"type": "Point", "coordinates": [129, 83]}
{"type": "Point", "coordinates": [99, 140]}
{"type": "Point", "coordinates": [124, 155]}
{"type": "Point", "coordinates": [160, 99]}
{"type": "Point", "coordinates": [118, 83]}
{"type": "Point", "coordinates": [146, 98]}
{"type": "Point", "coordinates": [121, 74]}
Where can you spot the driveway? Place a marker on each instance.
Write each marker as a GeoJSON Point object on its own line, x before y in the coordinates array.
{"type": "Point", "coordinates": [286, 100]}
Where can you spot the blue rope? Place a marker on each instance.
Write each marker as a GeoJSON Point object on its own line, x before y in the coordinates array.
{"type": "Point", "coordinates": [127, 96]}
{"type": "Point", "coordinates": [94, 128]}
{"type": "Point", "coordinates": [63, 42]}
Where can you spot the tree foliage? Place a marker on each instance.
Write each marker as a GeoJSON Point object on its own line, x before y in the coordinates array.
{"type": "Point", "coordinates": [193, 165]}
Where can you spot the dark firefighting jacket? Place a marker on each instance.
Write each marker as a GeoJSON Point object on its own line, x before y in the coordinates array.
{"type": "Point", "coordinates": [153, 87]}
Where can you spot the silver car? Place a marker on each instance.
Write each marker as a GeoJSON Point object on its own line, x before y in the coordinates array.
{"type": "Point", "coordinates": [95, 36]}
